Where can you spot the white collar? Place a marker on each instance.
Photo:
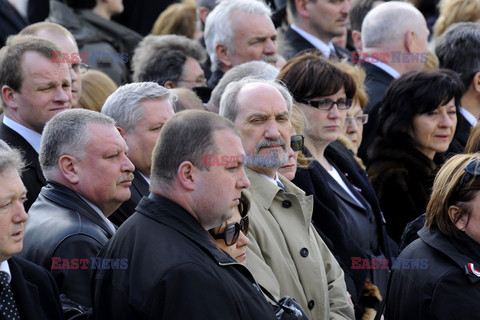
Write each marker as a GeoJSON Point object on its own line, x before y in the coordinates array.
{"type": "Point", "coordinates": [468, 116]}
{"type": "Point", "coordinates": [100, 213]}
{"type": "Point", "coordinates": [385, 67]}
{"type": "Point", "coordinates": [326, 49]}
{"type": "Point", "coordinates": [32, 137]}
{"type": "Point", "coordinates": [6, 268]}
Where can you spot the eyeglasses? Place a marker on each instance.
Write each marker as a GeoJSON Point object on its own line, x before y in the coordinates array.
{"type": "Point", "coordinates": [296, 142]}
{"type": "Point", "coordinates": [80, 68]}
{"type": "Point", "coordinates": [360, 120]}
{"type": "Point", "coordinates": [472, 169]}
{"type": "Point", "coordinates": [327, 104]}
{"type": "Point", "coordinates": [231, 233]}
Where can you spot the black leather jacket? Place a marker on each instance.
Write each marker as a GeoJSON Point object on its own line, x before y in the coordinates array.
{"type": "Point", "coordinates": [64, 227]}
{"type": "Point", "coordinates": [175, 271]}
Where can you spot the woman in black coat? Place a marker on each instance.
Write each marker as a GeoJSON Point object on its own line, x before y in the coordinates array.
{"type": "Point", "coordinates": [438, 275]}
{"type": "Point", "coordinates": [346, 212]}
{"type": "Point", "coordinates": [417, 119]}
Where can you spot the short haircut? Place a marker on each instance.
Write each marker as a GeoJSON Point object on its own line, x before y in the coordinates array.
{"type": "Point", "coordinates": [187, 99]}
{"type": "Point", "coordinates": [124, 105]}
{"type": "Point", "coordinates": [162, 58]}
{"type": "Point", "coordinates": [218, 27]}
{"type": "Point", "coordinates": [11, 57]}
{"type": "Point", "coordinates": [251, 69]}
{"type": "Point", "coordinates": [378, 29]}
{"type": "Point", "coordinates": [308, 76]}
{"type": "Point", "coordinates": [185, 137]}
{"type": "Point", "coordinates": [10, 158]}
{"type": "Point", "coordinates": [35, 28]}
{"type": "Point", "coordinates": [229, 102]}
{"type": "Point", "coordinates": [414, 93]}
{"type": "Point", "coordinates": [444, 194]}
{"type": "Point", "coordinates": [358, 11]}
{"type": "Point", "coordinates": [457, 49]}
{"type": "Point", "coordinates": [67, 133]}
{"type": "Point", "coordinates": [452, 11]}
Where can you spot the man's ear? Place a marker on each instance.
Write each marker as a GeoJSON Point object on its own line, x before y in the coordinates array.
{"type": "Point", "coordinates": [9, 97]}
{"type": "Point", "coordinates": [409, 41]}
{"type": "Point", "coordinates": [357, 39]}
{"type": "Point", "coordinates": [169, 84]}
{"type": "Point", "coordinates": [476, 83]}
{"type": "Point", "coordinates": [224, 55]}
{"type": "Point", "coordinates": [122, 131]}
{"type": "Point", "coordinates": [186, 175]}
{"type": "Point", "coordinates": [455, 214]}
{"type": "Point", "coordinates": [68, 167]}
{"type": "Point", "coordinates": [203, 13]}
{"type": "Point", "coordinates": [301, 6]}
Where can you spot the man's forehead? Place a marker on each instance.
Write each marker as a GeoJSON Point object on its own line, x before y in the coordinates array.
{"type": "Point", "coordinates": [261, 98]}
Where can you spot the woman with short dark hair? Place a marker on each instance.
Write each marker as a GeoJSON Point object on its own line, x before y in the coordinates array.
{"type": "Point", "coordinates": [417, 120]}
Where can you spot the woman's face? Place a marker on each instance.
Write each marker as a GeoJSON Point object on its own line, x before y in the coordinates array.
{"type": "Point", "coordinates": [472, 226]}
{"type": "Point", "coordinates": [433, 131]}
{"type": "Point", "coordinates": [238, 250]}
{"type": "Point", "coordinates": [323, 126]}
{"type": "Point", "coordinates": [353, 129]}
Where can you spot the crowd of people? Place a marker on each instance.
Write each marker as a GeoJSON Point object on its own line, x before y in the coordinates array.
{"type": "Point", "coordinates": [218, 158]}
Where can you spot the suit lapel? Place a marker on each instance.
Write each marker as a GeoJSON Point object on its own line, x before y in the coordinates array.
{"type": "Point", "coordinates": [25, 292]}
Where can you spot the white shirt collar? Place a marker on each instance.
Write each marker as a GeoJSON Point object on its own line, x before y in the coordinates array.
{"type": "Point", "coordinates": [6, 268]}
{"type": "Point", "coordinates": [470, 117]}
{"type": "Point", "coordinates": [100, 213]}
{"type": "Point", "coordinates": [317, 43]}
{"type": "Point", "coordinates": [385, 67]}
{"type": "Point", "coordinates": [32, 137]}
{"type": "Point", "coordinates": [274, 181]}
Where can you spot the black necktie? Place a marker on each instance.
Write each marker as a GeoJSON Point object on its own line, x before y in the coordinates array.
{"type": "Point", "coordinates": [7, 302]}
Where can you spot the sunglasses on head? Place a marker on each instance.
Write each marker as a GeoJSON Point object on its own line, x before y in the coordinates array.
{"type": "Point", "coordinates": [231, 233]}
{"type": "Point", "coordinates": [296, 142]}
{"type": "Point", "coordinates": [472, 169]}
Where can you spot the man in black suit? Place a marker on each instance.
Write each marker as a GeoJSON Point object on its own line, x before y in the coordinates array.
{"type": "Point", "coordinates": [314, 25]}
{"type": "Point", "coordinates": [457, 49]}
{"type": "Point", "coordinates": [139, 109]}
{"type": "Point", "coordinates": [11, 21]}
{"type": "Point", "coordinates": [34, 89]}
{"type": "Point", "coordinates": [389, 50]}
{"type": "Point", "coordinates": [89, 175]}
{"type": "Point", "coordinates": [34, 291]}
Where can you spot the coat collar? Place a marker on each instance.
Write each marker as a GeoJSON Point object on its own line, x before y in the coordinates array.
{"type": "Point", "coordinates": [167, 212]}
{"type": "Point", "coordinates": [446, 245]}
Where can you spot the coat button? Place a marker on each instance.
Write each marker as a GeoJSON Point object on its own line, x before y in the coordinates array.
{"type": "Point", "coordinates": [304, 252]}
{"type": "Point", "coordinates": [286, 203]}
{"type": "Point", "coordinates": [311, 304]}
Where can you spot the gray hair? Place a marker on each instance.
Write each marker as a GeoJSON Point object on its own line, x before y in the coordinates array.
{"type": "Point", "coordinates": [229, 101]}
{"type": "Point", "coordinates": [162, 58]}
{"type": "Point", "coordinates": [185, 137]}
{"type": "Point", "coordinates": [124, 104]}
{"type": "Point", "coordinates": [218, 27]}
{"type": "Point", "coordinates": [457, 49]}
{"type": "Point", "coordinates": [10, 158]}
{"type": "Point", "coordinates": [378, 29]}
{"type": "Point", "coordinates": [66, 133]}
{"type": "Point", "coordinates": [251, 69]}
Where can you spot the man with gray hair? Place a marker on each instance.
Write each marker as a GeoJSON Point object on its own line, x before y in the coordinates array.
{"type": "Point", "coordinates": [239, 31]}
{"type": "Point", "coordinates": [170, 60]}
{"type": "Point", "coordinates": [83, 158]}
{"type": "Point", "coordinates": [183, 274]}
{"type": "Point", "coordinates": [140, 110]}
{"type": "Point", "coordinates": [457, 49]}
{"type": "Point", "coordinates": [388, 51]}
{"type": "Point", "coordinates": [286, 254]}
{"type": "Point", "coordinates": [16, 273]}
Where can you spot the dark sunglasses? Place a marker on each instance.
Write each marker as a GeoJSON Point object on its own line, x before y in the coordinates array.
{"type": "Point", "coordinates": [472, 169]}
{"type": "Point", "coordinates": [231, 233]}
{"type": "Point", "coordinates": [296, 142]}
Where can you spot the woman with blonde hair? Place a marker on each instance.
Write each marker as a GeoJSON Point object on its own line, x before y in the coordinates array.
{"type": "Point", "coordinates": [96, 88]}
